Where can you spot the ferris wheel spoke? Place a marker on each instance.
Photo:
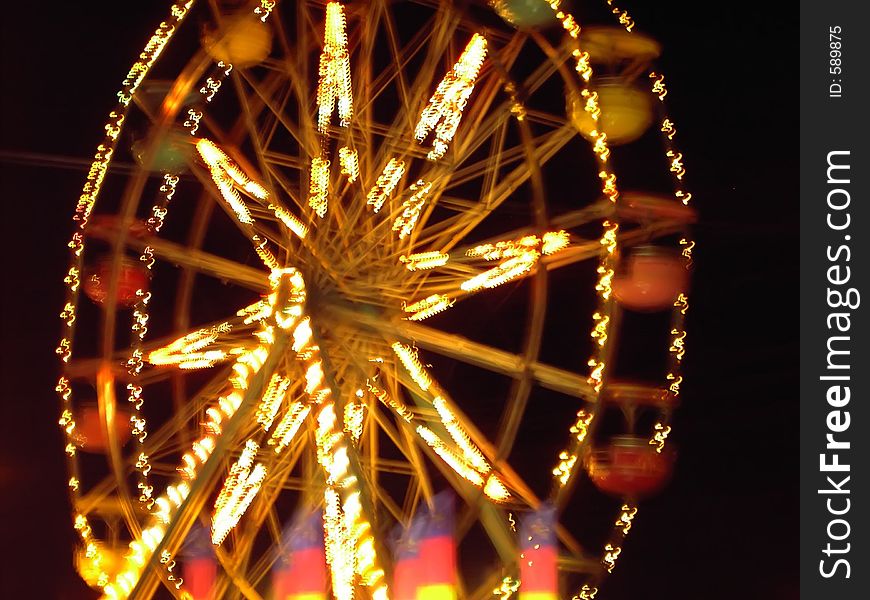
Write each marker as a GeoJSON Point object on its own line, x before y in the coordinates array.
{"type": "Point", "coordinates": [503, 190]}
{"type": "Point", "coordinates": [238, 561]}
{"type": "Point", "coordinates": [473, 353]}
{"type": "Point", "coordinates": [299, 133]}
{"type": "Point", "coordinates": [206, 263]}
{"type": "Point", "coordinates": [200, 489]}
{"type": "Point", "coordinates": [439, 37]}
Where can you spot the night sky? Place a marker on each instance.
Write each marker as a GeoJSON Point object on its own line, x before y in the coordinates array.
{"type": "Point", "coordinates": [726, 525]}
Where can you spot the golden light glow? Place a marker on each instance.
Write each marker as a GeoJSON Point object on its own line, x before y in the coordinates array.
{"type": "Point", "coordinates": [265, 9]}
{"type": "Point", "coordinates": [622, 15]}
{"type": "Point", "coordinates": [131, 82]}
{"type": "Point", "coordinates": [682, 303]}
{"type": "Point", "coordinates": [413, 365]}
{"type": "Point", "coordinates": [568, 459]}
{"type": "Point", "coordinates": [354, 413]}
{"type": "Point", "coordinates": [626, 517]}
{"type": "Point", "coordinates": [227, 177]}
{"type": "Point", "coordinates": [189, 351]}
{"type": "Point", "coordinates": [554, 241]}
{"type": "Point", "coordinates": [687, 250]}
{"type": "Point", "coordinates": [350, 546]}
{"type": "Point", "coordinates": [349, 162]}
{"type": "Point", "coordinates": [586, 593]}
{"type": "Point", "coordinates": [506, 588]}
{"type": "Point", "coordinates": [599, 332]}
{"type": "Point", "coordinates": [678, 346]}
{"type": "Point", "coordinates": [318, 186]}
{"type": "Point", "coordinates": [289, 425]}
{"type": "Point", "coordinates": [338, 549]}
{"type": "Point", "coordinates": [444, 110]}
{"type": "Point", "coordinates": [564, 467]}
{"type": "Point", "coordinates": [660, 435]}
{"type": "Point", "coordinates": [675, 385]}
{"type": "Point", "coordinates": [239, 489]}
{"type": "Point", "coordinates": [508, 270]}
{"type": "Point", "coordinates": [495, 489]}
{"type": "Point", "coordinates": [395, 405]}
{"type": "Point", "coordinates": [424, 260]}
{"type": "Point", "coordinates": [658, 86]}
{"type": "Point", "coordinates": [611, 553]}
{"type": "Point", "coordinates": [676, 163]}
{"type": "Point", "coordinates": [271, 401]}
{"type": "Point", "coordinates": [291, 222]}
{"type": "Point", "coordinates": [334, 86]}
{"type": "Point", "coordinates": [507, 249]}
{"type": "Point", "coordinates": [471, 454]}
{"type": "Point", "coordinates": [411, 209]}
{"type": "Point", "coordinates": [192, 122]}
{"type": "Point", "coordinates": [449, 456]}
{"type": "Point", "coordinates": [386, 184]}
{"type": "Point", "coordinates": [428, 307]}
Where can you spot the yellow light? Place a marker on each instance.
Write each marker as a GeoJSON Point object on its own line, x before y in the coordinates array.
{"type": "Point", "coordinates": [318, 186]}
{"type": "Point", "coordinates": [349, 162]}
{"type": "Point", "coordinates": [288, 426]}
{"type": "Point", "coordinates": [687, 251]}
{"type": "Point", "coordinates": [271, 400]}
{"type": "Point", "coordinates": [411, 209]}
{"type": "Point", "coordinates": [188, 352]}
{"type": "Point", "coordinates": [661, 434]}
{"type": "Point", "coordinates": [72, 279]}
{"type": "Point", "coordinates": [678, 346]}
{"type": "Point", "coordinates": [623, 16]}
{"type": "Point", "coordinates": [565, 466]}
{"type": "Point", "coordinates": [453, 460]}
{"type": "Point", "coordinates": [675, 386]}
{"type": "Point", "coordinates": [508, 270]}
{"type": "Point", "coordinates": [658, 86]}
{"type": "Point", "coordinates": [265, 9]}
{"type": "Point", "coordinates": [472, 455]}
{"type": "Point", "coordinates": [626, 517]}
{"type": "Point", "coordinates": [225, 175]}
{"type": "Point", "coordinates": [398, 407]}
{"type": "Point", "coordinates": [412, 364]}
{"type": "Point", "coordinates": [424, 260]}
{"type": "Point", "coordinates": [611, 553]}
{"type": "Point", "coordinates": [354, 413]}
{"type": "Point", "coordinates": [495, 489]}
{"type": "Point", "coordinates": [135, 75]}
{"type": "Point", "coordinates": [428, 307]}
{"type": "Point", "coordinates": [605, 280]}
{"type": "Point", "coordinates": [444, 110]}
{"type": "Point", "coordinates": [507, 249]}
{"type": "Point", "coordinates": [507, 588]}
{"type": "Point", "coordinates": [554, 241]}
{"type": "Point", "coordinates": [239, 489]}
{"type": "Point", "coordinates": [599, 332]}
{"type": "Point", "coordinates": [334, 86]}
{"type": "Point", "coordinates": [596, 375]}
{"type": "Point", "coordinates": [386, 183]}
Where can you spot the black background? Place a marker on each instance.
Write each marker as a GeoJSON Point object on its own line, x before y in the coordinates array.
{"type": "Point", "coordinates": [728, 523]}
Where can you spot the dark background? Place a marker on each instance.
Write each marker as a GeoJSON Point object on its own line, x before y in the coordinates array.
{"type": "Point", "coordinates": [727, 525]}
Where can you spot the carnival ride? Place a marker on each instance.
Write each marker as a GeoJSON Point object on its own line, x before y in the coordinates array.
{"type": "Point", "coordinates": [324, 198]}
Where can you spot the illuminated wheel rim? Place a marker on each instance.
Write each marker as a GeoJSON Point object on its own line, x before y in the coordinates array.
{"type": "Point", "coordinates": [314, 326]}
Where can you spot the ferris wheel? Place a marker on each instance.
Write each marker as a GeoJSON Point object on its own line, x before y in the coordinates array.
{"type": "Point", "coordinates": [324, 303]}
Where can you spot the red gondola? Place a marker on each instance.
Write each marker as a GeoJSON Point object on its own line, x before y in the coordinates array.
{"type": "Point", "coordinates": [629, 466]}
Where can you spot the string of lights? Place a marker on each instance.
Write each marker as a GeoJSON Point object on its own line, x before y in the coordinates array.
{"type": "Point", "coordinates": [677, 333]}
{"type": "Point", "coordinates": [88, 197]}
